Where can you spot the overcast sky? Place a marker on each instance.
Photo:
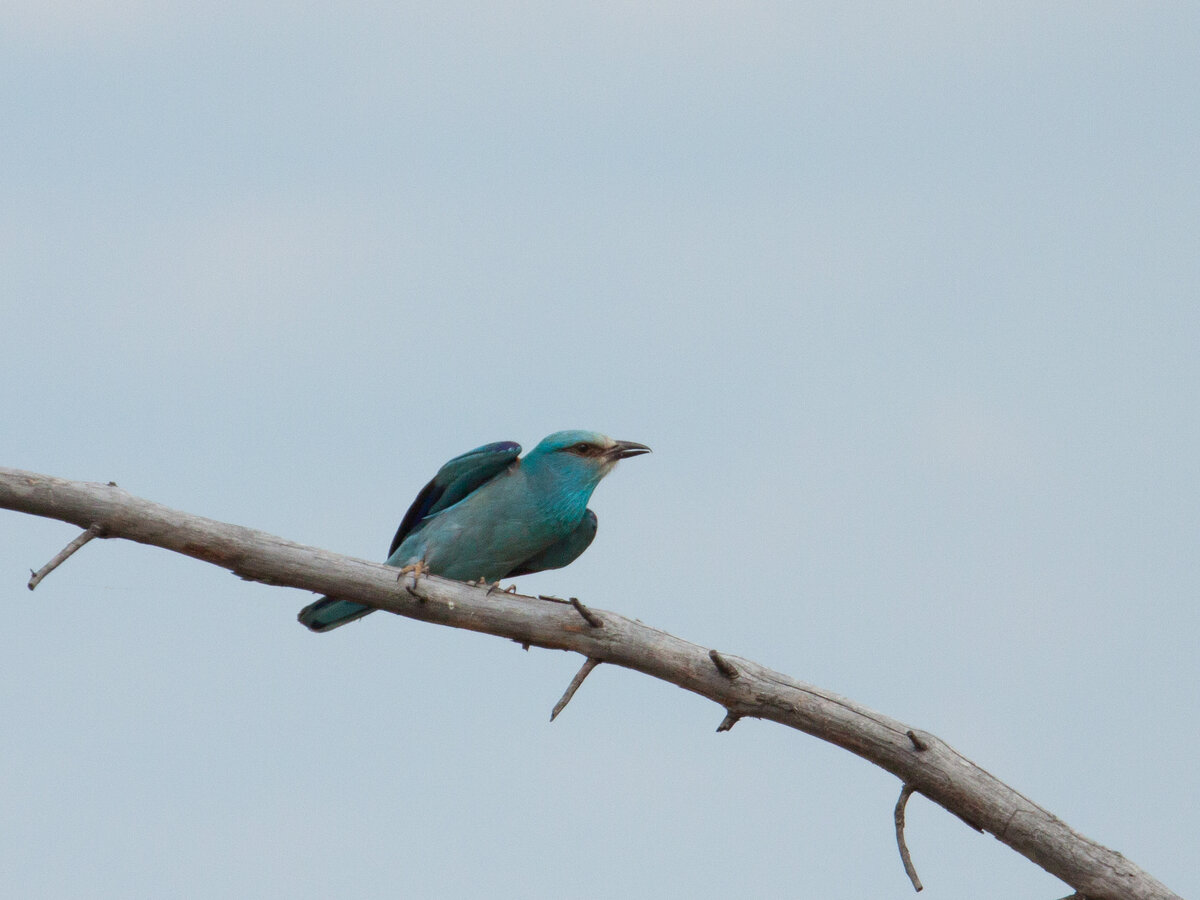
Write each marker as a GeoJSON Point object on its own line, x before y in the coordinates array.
{"type": "Point", "coordinates": [906, 303]}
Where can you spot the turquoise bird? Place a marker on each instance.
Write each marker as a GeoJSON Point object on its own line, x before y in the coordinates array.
{"type": "Point", "coordinates": [489, 515]}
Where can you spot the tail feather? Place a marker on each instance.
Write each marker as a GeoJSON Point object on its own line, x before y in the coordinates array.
{"type": "Point", "coordinates": [329, 612]}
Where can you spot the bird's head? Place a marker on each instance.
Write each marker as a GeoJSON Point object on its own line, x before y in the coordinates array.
{"type": "Point", "coordinates": [581, 457]}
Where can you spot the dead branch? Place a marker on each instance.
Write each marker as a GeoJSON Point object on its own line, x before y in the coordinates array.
{"type": "Point", "coordinates": [905, 856]}
{"type": "Point", "coordinates": [584, 671]}
{"type": "Point", "coordinates": [35, 578]}
{"type": "Point", "coordinates": [924, 763]}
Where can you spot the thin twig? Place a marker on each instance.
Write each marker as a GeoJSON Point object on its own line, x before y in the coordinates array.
{"type": "Point", "coordinates": [905, 793]}
{"type": "Point", "coordinates": [584, 670]}
{"type": "Point", "coordinates": [724, 666]}
{"type": "Point", "coordinates": [588, 616]}
{"type": "Point", "coordinates": [63, 554]}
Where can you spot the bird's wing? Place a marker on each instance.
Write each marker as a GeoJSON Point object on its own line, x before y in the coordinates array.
{"type": "Point", "coordinates": [461, 476]}
{"type": "Point", "coordinates": [561, 553]}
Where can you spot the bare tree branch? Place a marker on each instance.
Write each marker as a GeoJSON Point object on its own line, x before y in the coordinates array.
{"type": "Point", "coordinates": [921, 761]}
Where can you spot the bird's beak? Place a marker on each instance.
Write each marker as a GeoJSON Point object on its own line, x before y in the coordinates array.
{"type": "Point", "coordinates": [626, 449]}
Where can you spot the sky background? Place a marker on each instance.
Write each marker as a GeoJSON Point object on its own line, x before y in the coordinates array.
{"type": "Point", "coordinates": [905, 301]}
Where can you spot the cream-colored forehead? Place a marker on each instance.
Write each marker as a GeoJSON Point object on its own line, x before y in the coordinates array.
{"type": "Point", "coordinates": [576, 436]}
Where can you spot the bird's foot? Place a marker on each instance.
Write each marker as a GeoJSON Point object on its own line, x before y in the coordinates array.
{"type": "Point", "coordinates": [416, 569]}
{"type": "Point", "coordinates": [511, 589]}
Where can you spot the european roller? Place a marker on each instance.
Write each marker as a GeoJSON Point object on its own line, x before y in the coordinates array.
{"type": "Point", "coordinates": [492, 514]}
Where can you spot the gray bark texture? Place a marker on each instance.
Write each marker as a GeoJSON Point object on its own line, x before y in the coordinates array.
{"type": "Point", "coordinates": [923, 763]}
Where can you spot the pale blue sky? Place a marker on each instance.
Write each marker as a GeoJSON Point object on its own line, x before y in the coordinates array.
{"type": "Point", "coordinates": [906, 303]}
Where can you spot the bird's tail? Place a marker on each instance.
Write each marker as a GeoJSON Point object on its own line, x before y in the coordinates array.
{"type": "Point", "coordinates": [329, 612]}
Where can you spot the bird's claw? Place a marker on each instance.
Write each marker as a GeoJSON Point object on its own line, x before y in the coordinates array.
{"type": "Point", "coordinates": [511, 589]}
{"type": "Point", "coordinates": [416, 569]}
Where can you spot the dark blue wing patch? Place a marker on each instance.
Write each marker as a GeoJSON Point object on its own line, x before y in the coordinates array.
{"type": "Point", "coordinates": [461, 476]}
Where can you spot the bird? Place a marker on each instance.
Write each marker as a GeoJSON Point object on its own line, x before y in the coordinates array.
{"type": "Point", "coordinates": [491, 514]}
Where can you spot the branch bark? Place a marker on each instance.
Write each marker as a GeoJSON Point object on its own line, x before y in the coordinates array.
{"type": "Point", "coordinates": [921, 761]}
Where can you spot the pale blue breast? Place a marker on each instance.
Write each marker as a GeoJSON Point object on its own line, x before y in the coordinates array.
{"type": "Point", "coordinates": [491, 532]}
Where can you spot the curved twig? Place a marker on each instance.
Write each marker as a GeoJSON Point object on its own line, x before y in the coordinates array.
{"type": "Point", "coordinates": [905, 857]}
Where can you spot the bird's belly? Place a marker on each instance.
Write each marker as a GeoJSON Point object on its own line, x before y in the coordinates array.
{"type": "Point", "coordinates": [466, 551]}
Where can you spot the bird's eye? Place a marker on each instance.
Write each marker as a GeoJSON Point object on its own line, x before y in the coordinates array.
{"type": "Point", "coordinates": [583, 449]}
